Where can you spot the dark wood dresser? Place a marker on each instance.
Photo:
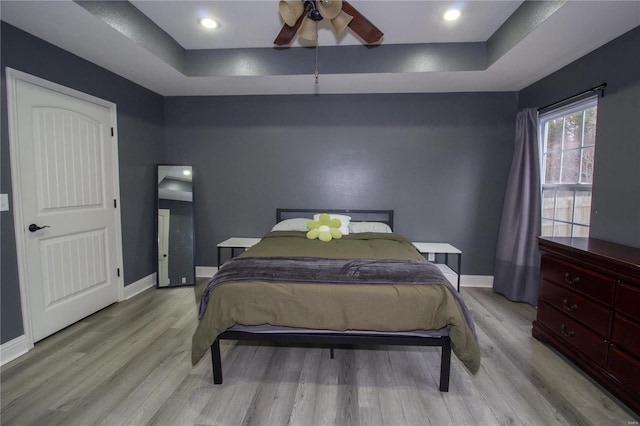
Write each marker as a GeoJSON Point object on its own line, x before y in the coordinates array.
{"type": "Point", "coordinates": [589, 310]}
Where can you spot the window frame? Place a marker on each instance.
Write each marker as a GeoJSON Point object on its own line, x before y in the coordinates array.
{"type": "Point", "coordinates": [578, 187]}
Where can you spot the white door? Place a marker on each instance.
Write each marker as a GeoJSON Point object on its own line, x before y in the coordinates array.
{"type": "Point", "coordinates": [164, 215]}
{"type": "Point", "coordinates": [68, 186]}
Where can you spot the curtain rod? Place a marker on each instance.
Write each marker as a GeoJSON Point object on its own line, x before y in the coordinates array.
{"type": "Point", "coordinates": [595, 89]}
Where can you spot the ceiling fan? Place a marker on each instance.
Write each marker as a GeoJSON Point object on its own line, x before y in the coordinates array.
{"type": "Point", "coordinates": [301, 17]}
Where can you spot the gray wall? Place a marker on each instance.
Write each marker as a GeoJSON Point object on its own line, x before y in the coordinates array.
{"type": "Point", "coordinates": [439, 160]}
{"type": "Point", "coordinates": [616, 180]}
{"type": "Point", "coordinates": [140, 143]}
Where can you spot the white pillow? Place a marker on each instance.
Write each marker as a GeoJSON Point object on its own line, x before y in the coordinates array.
{"type": "Point", "coordinates": [344, 220]}
{"type": "Point", "coordinates": [296, 224]}
{"type": "Point", "coordinates": [357, 227]}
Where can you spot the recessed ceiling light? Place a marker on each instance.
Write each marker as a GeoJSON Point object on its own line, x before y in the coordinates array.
{"type": "Point", "coordinates": [186, 172]}
{"type": "Point", "coordinates": [451, 15]}
{"type": "Point", "coordinates": [209, 23]}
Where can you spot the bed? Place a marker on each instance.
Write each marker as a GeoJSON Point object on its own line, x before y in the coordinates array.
{"type": "Point", "coordinates": [370, 287]}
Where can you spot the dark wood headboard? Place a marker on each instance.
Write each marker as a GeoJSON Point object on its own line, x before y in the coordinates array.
{"type": "Point", "coordinates": [384, 216]}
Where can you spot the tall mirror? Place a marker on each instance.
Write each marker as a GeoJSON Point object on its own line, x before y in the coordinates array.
{"type": "Point", "coordinates": [175, 231]}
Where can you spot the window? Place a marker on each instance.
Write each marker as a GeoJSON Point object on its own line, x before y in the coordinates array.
{"type": "Point", "coordinates": [567, 141]}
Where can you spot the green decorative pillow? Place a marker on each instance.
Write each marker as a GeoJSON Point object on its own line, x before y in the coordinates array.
{"type": "Point", "coordinates": [324, 228]}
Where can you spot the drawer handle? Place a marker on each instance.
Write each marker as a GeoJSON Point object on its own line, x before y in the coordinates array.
{"type": "Point", "coordinates": [567, 333]}
{"type": "Point", "coordinates": [569, 280]}
{"type": "Point", "coordinates": [568, 307]}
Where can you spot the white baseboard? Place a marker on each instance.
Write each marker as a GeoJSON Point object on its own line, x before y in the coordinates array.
{"type": "Point", "coordinates": [13, 349]}
{"type": "Point", "coordinates": [139, 286]}
{"type": "Point", "coordinates": [206, 271]}
{"type": "Point", "coordinates": [485, 281]}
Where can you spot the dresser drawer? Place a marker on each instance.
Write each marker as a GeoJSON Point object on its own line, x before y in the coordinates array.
{"type": "Point", "coordinates": [572, 332]}
{"type": "Point", "coordinates": [625, 368]}
{"type": "Point", "coordinates": [591, 314]}
{"type": "Point", "coordinates": [592, 284]}
{"type": "Point", "coordinates": [628, 300]}
{"type": "Point", "coordinates": [626, 333]}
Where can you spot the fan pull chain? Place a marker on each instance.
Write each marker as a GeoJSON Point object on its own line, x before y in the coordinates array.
{"type": "Point", "coordinates": [317, 73]}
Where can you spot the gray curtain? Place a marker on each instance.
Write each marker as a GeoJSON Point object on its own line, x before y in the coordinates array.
{"type": "Point", "coordinates": [517, 266]}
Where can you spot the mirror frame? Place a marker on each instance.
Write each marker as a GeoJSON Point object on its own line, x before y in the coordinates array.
{"type": "Point", "coordinates": [157, 231]}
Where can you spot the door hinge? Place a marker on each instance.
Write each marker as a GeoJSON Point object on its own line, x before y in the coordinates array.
{"type": "Point", "coordinates": [115, 203]}
{"type": "Point", "coordinates": [112, 132]}
{"type": "Point", "coordinates": [118, 270]}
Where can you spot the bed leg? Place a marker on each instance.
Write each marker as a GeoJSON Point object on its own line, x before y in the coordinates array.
{"type": "Point", "coordinates": [331, 353]}
{"type": "Point", "coordinates": [445, 365]}
{"type": "Point", "coordinates": [216, 362]}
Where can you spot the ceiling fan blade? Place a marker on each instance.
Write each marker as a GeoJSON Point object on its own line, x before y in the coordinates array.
{"type": "Point", "coordinates": [287, 33]}
{"type": "Point", "coordinates": [361, 25]}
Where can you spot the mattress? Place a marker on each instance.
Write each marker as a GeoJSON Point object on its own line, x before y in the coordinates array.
{"type": "Point", "coordinates": [417, 301]}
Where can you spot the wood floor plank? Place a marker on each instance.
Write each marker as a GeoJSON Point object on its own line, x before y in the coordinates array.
{"type": "Point", "coordinates": [388, 395]}
{"type": "Point", "coordinates": [347, 404]}
{"type": "Point", "coordinates": [184, 406]}
{"type": "Point", "coordinates": [304, 401]}
{"type": "Point", "coordinates": [369, 406]}
{"type": "Point", "coordinates": [326, 393]}
{"type": "Point", "coordinates": [247, 374]}
{"type": "Point", "coordinates": [129, 364]}
{"type": "Point", "coordinates": [274, 396]}
{"type": "Point", "coordinates": [152, 393]}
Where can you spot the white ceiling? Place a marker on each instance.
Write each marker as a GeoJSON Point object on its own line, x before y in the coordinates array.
{"type": "Point", "coordinates": [247, 23]}
{"type": "Point", "coordinates": [577, 28]}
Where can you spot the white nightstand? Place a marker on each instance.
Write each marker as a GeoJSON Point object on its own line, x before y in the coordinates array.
{"type": "Point", "coordinates": [236, 242]}
{"type": "Point", "coordinates": [446, 249]}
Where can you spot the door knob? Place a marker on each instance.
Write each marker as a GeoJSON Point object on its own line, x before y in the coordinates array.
{"type": "Point", "coordinates": [33, 227]}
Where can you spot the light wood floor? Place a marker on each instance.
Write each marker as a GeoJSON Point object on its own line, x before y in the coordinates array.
{"type": "Point", "coordinates": [130, 364]}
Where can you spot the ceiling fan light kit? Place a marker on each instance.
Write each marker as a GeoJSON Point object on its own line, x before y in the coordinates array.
{"type": "Point", "coordinates": [309, 29]}
{"type": "Point", "coordinates": [290, 11]}
{"type": "Point", "coordinates": [302, 16]}
{"type": "Point", "coordinates": [329, 9]}
{"type": "Point", "coordinates": [341, 21]}
{"type": "Point", "coordinates": [298, 15]}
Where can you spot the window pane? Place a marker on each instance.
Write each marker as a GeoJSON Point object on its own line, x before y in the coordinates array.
{"type": "Point", "coordinates": [552, 167]}
{"type": "Point", "coordinates": [554, 135]}
{"type": "Point", "coordinates": [571, 166]}
{"type": "Point", "coordinates": [580, 231]}
{"type": "Point", "coordinates": [564, 206]}
{"type": "Point", "coordinates": [583, 207]}
{"type": "Point", "coordinates": [573, 130]}
{"type": "Point", "coordinates": [561, 229]}
{"type": "Point", "coordinates": [586, 172]}
{"type": "Point", "coordinates": [548, 203]}
{"type": "Point", "coordinates": [590, 117]}
{"type": "Point", "coordinates": [547, 228]}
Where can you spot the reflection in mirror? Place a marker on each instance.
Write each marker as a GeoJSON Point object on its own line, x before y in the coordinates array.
{"type": "Point", "coordinates": [176, 262]}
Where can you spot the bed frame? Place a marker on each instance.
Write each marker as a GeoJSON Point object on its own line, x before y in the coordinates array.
{"type": "Point", "coordinates": [338, 339]}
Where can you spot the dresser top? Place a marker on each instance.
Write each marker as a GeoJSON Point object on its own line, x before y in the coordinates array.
{"type": "Point", "coordinates": [606, 250]}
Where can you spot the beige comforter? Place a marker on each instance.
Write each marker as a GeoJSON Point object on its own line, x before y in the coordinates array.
{"type": "Point", "coordinates": [385, 308]}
